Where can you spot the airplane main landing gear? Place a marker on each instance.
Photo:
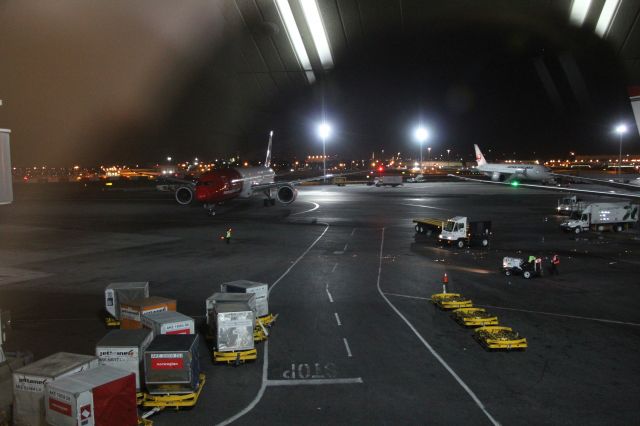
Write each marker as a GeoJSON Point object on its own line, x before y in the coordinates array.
{"type": "Point", "coordinates": [210, 209]}
{"type": "Point", "coordinates": [269, 201]}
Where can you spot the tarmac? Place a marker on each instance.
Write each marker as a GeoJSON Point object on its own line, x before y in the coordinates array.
{"type": "Point", "coordinates": [357, 340]}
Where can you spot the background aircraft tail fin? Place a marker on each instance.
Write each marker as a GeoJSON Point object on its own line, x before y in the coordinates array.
{"type": "Point", "coordinates": [267, 161]}
{"type": "Point", "coordinates": [479, 157]}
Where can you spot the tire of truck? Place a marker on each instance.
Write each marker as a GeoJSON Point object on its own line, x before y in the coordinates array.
{"type": "Point", "coordinates": [484, 242]}
{"type": "Point", "coordinates": [600, 228]}
{"type": "Point", "coordinates": [526, 274]}
{"type": "Point", "coordinates": [577, 230]}
{"type": "Point", "coordinates": [418, 230]}
{"type": "Point", "coordinates": [460, 243]}
{"type": "Point", "coordinates": [393, 186]}
{"type": "Point", "coordinates": [507, 273]}
{"type": "Point", "coordinates": [618, 228]}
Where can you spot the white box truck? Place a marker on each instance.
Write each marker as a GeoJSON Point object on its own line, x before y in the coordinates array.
{"type": "Point", "coordinates": [388, 180]}
{"type": "Point", "coordinates": [602, 217]}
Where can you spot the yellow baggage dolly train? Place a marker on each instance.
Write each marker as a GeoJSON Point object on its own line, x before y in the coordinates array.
{"type": "Point", "coordinates": [498, 337]}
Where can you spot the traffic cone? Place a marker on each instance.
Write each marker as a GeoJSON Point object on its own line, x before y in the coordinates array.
{"type": "Point", "coordinates": [445, 279]}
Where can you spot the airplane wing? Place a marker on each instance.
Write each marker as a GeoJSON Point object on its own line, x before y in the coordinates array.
{"type": "Point", "coordinates": [601, 181]}
{"type": "Point", "coordinates": [265, 186]}
{"type": "Point", "coordinates": [555, 188]}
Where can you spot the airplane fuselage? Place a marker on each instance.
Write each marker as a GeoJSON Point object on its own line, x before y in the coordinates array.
{"type": "Point", "coordinates": [499, 172]}
{"type": "Point", "coordinates": [217, 186]}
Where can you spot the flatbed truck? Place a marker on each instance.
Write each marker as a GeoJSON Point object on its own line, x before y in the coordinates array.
{"type": "Point", "coordinates": [458, 230]}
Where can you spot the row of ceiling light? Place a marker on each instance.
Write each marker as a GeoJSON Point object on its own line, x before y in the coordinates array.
{"type": "Point", "coordinates": [318, 34]}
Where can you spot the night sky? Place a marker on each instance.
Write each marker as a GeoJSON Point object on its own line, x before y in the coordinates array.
{"type": "Point", "coordinates": [128, 96]}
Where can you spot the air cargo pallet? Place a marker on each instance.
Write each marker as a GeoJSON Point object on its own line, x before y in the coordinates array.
{"type": "Point", "coordinates": [451, 301]}
{"type": "Point", "coordinates": [111, 322]}
{"type": "Point", "coordinates": [176, 401]}
{"type": "Point", "coordinates": [235, 357]}
{"type": "Point", "coordinates": [259, 334]}
{"type": "Point", "coordinates": [267, 320]}
{"type": "Point", "coordinates": [497, 337]}
{"type": "Point", "coordinates": [474, 317]}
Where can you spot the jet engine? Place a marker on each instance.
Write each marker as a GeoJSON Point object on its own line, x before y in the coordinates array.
{"type": "Point", "coordinates": [184, 195]}
{"type": "Point", "coordinates": [287, 194]}
{"type": "Point", "coordinates": [497, 177]}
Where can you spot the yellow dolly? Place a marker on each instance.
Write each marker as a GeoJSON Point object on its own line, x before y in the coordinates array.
{"type": "Point", "coordinates": [111, 322]}
{"type": "Point", "coordinates": [235, 357]}
{"type": "Point", "coordinates": [474, 317]}
{"type": "Point", "coordinates": [451, 301]}
{"type": "Point", "coordinates": [177, 401]}
{"type": "Point", "coordinates": [497, 337]}
{"type": "Point", "coordinates": [267, 320]}
{"type": "Point", "coordinates": [259, 334]}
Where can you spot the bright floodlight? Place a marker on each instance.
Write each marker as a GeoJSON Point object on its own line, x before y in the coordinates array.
{"type": "Point", "coordinates": [620, 129]}
{"type": "Point", "coordinates": [324, 130]}
{"type": "Point", "coordinates": [421, 134]}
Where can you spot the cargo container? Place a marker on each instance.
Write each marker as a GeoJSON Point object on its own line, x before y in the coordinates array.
{"type": "Point", "coordinates": [261, 291]}
{"type": "Point", "coordinates": [602, 217]}
{"type": "Point", "coordinates": [248, 298]}
{"type": "Point", "coordinates": [233, 326]}
{"type": "Point", "coordinates": [29, 381]}
{"type": "Point", "coordinates": [168, 323]}
{"type": "Point", "coordinates": [104, 396]}
{"type": "Point", "coordinates": [172, 364]}
{"type": "Point", "coordinates": [117, 293]}
{"type": "Point", "coordinates": [124, 349]}
{"type": "Point", "coordinates": [131, 312]}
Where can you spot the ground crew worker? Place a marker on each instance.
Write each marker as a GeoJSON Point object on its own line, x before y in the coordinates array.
{"type": "Point", "coordinates": [538, 265]}
{"type": "Point", "coordinates": [227, 236]}
{"type": "Point", "coordinates": [555, 261]}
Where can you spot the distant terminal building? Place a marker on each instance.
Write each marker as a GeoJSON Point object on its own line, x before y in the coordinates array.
{"type": "Point", "coordinates": [607, 161]}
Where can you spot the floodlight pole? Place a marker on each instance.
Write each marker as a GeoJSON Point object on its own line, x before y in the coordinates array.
{"type": "Point", "coordinates": [324, 159]}
{"type": "Point", "coordinates": [620, 155]}
{"type": "Point", "coordinates": [420, 156]}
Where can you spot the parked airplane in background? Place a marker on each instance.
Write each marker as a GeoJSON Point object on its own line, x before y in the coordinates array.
{"type": "Point", "coordinates": [217, 186]}
{"type": "Point", "coordinates": [508, 172]}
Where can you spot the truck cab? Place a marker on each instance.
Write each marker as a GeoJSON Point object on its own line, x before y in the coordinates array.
{"type": "Point", "coordinates": [462, 232]}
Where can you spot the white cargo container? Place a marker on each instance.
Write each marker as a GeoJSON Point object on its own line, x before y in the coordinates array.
{"type": "Point", "coordinates": [168, 322]}
{"type": "Point", "coordinates": [29, 381]}
{"type": "Point", "coordinates": [234, 323]}
{"type": "Point", "coordinates": [261, 291]}
{"type": "Point", "coordinates": [102, 396]}
{"type": "Point", "coordinates": [248, 298]}
{"type": "Point", "coordinates": [124, 349]}
{"type": "Point", "coordinates": [116, 293]}
{"type": "Point", "coordinates": [602, 217]}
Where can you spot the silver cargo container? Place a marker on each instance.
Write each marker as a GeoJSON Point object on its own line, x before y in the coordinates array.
{"type": "Point", "coordinates": [116, 293]}
{"type": "Point", "coordinates": [168, 322]}
{"type": "Point", "coordinates": [234, 323]}
{"type": "Point", "coordinates": [172, 364]}
{"type": "Point", "coordinates": [261, 290]}
{"type": "Point", "coordinates": [124, 349]}
{"type": "Point", "coordinates": [29, 381]}
{"type": "Point", "coordinates": [248, 298]}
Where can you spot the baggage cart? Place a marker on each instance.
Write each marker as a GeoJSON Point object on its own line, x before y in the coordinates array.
{"type": "Point", "coordinates": [474, 317]}
{"type": "Point", "coordinates": [172, 365]}
{"type": "Point", "coordinates": [116, 293]}
{"type": "Point", "coordinates": [498, 337]}
{"type": "Point", "coordinates": [449, 301]}
{"type": "Point", "coordinates": [124, 349]}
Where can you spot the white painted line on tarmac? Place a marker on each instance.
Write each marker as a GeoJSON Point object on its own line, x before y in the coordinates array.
{"type": "Point", "coordinates": [345, 247]}
{"type": "Point", "coordinates": [425, 207]}
{"type": "Point", "coordinates": [353, 232]}
{"type": "Point", "coordinates": [329, 294]}
{"type": "Point", "coordinates": [428, 346]}
{"type": "Point", "coordinates": [337, 318]}
{"type": "Point", "coordinates": [265, 362]}
{"type": "Point", "coordinates": [334, 267]}
{"type": "Point", "coordinates": [316, 205]}
{"type": "Point", "coordinates": [304, 382]}
{"type": "Point", "coordinates": [406, 295]}
{"type": "Point", "coordinates": [338, 252]}
{"type": "Point", "coordinates": [346, 345]}
{"type": "Point", "coordinates": [608, 321]}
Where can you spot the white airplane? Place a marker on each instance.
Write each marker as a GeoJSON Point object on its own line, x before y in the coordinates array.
{"type": "Point", "coordinates": [499, 172]}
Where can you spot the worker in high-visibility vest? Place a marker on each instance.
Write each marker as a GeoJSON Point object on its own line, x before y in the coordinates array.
{"type": "Point", "coordinates": [227, 236]}
{"type": "Point", "coordinates": [555, 262]}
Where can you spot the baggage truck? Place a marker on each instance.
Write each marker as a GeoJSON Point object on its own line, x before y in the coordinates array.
{"type": "Point", "coordinates": [429, 225]}
{"type": "Point", "coordinates": [131, 313]}
{"type": "Point", "coordinates": [29, 384]}
{"type": "Point", "coordinates": [168, 323]}
{"type": "Point", "coordinates": [463, 232]}
{"type": "Point", "coordinates": [172, 364]}
{"type": "Point", "coordinates": [261, 290]}
{"type": "Point", "coordinates": [388, 180]}
{"type": "Point", "coordinates": [103, 396]}
{"type": "Point", "coordinates": [117, 293]}
{"type": "Point", "coordinates": [124, 349]}
{"type": "Point", "coordinates": [602, 217]}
